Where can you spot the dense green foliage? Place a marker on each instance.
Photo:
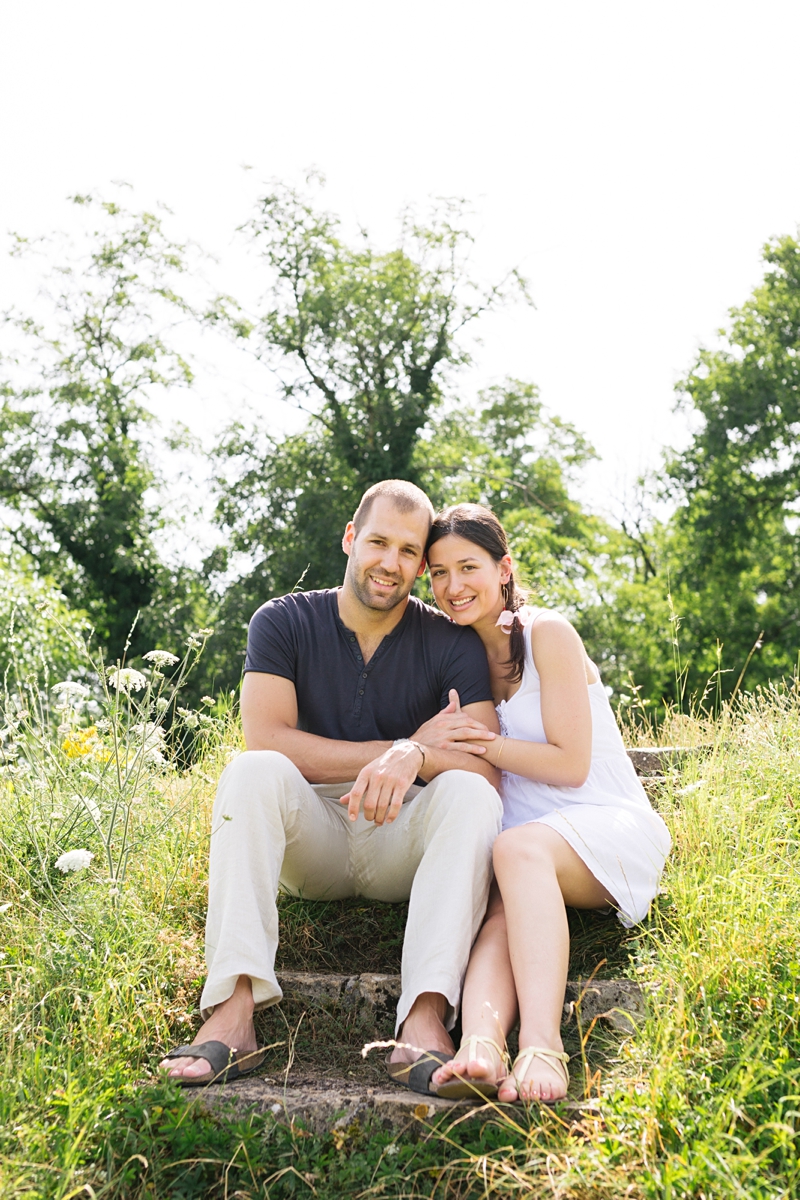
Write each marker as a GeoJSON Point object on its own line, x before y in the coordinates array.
{"type": "Point", "coordinates": [75, 471]}
{"type": "Point", "coordinates": [371, 345]}
{"type": "Point", "coordinates": [736, 547]}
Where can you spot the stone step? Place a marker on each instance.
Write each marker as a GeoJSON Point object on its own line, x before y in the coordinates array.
{"type": "Point", "coordinates": [329, 1084]}
{"type": "Point", "coordinates": [338, 1104]}
{"type": "Point", "coordinates": [620, 1002]}
{"type": "Point", "coordinates": [659, 760]}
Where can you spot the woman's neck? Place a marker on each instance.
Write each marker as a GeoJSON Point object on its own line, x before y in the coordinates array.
{"type": "Point", "coordinates": [495, 640]}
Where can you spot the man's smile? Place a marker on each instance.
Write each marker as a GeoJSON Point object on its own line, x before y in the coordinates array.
{"type": "Point", "coordinates": [382, 582]}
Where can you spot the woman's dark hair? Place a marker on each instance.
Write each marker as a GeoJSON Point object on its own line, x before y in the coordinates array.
{"type": "Point", "coordinates": [479, 525]}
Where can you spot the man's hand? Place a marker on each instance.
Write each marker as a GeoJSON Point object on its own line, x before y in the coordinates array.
{"type": "Point", "coordinates": [453, 729]}
{"type": "Point", "coordinates": [383, 783]}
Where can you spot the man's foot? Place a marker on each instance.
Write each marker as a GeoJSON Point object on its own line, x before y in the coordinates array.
{"type": "Point", "coordinates": [231, 1023]}
{"type": "Point", "coordinates": [536, 1076]}
{"type": "Point", "coordinates": [477, 1060]}
{"type": "Point", "coordinates": [423, 1029]}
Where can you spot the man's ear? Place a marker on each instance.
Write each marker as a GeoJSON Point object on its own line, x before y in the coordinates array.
{"type": "Point", "coordinates": [349, 538]}
{"type": "Point", "coordinates": [422, 566]}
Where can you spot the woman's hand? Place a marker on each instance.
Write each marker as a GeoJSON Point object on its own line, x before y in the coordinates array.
{"type": "Point", "coordinates": [453, 729]}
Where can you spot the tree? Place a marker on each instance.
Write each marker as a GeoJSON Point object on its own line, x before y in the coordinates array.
{"type": "Point", "coordinates": [366, 344]}
{"type": "Point", "coordinates": [735, 550]}
{"type": "Point", "coordinates": [76, 477]}
{"type": "Point", "coordinates": [363, 341]}
{"type": "Point", "coordinates": [40, 636]}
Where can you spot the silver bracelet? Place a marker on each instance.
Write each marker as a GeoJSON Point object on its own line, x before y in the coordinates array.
{"type": "Point", "coordinates": [411, 742]}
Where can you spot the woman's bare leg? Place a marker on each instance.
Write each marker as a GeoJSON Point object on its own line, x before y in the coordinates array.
{"type": "Point", "coordinates": [489, 1001]}
{"type": "Point", "coordinates": [538, 873]}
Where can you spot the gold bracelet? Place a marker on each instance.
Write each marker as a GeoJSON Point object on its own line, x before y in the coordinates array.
{"type": "Point", "coordinates": [502, 744]}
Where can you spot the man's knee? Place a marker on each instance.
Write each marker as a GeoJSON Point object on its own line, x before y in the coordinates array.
{"type": "Point", "coordinates": [471, 797]}
{"type": "Point", "coordinates": [257, 776]}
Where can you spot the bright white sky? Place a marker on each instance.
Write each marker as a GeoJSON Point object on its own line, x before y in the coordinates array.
{"type": "Point", "coordinates": [632, 158]}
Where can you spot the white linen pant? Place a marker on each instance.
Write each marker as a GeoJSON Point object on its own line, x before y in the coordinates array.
{"type": "Point", "coordinates": [271, 827]}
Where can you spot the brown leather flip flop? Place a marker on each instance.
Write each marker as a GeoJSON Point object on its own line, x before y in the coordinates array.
{"type": "Point", "coordinates": [226, 1064]}
{"type": "Point", "coordinates": [417, 1075]}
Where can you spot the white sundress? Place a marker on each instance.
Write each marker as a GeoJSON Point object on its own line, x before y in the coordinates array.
{"type": "Point", "coordinates": [608, 821]}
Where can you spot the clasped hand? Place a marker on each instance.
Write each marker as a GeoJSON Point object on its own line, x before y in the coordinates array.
{"type": "Point", "coordinates": [382, 784]}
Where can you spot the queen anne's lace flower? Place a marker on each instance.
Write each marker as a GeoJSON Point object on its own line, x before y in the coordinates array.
{"type": "Point", "coordinates": [74, 860]}
{"type": "Point", "coordinates": [68, 689]}
{"type": "Point", "coordinates": [71, 696]}
{"type": "Point", "coordinates": [161, 658]}
{"type": "Point", "coordinates": [125, 679]}
{"type": "Point", "coordinates": [153, 738]}
{"type": "Point", "coordinates": [91, 806]}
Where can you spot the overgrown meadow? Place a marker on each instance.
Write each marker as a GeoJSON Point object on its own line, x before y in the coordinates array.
{"type": "Point", "coordinates": [106, 790]}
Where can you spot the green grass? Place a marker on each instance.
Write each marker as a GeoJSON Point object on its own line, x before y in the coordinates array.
{"type": "Point", "coordinates": [101, 969]}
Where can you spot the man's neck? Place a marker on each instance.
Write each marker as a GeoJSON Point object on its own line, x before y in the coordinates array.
{"type": "Point", "coordinates": [370, 625]}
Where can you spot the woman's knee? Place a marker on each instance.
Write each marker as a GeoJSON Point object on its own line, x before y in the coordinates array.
{"type": "Point", "coordinates": [524, 845]}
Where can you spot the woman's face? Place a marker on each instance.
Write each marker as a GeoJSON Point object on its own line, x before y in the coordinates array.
{"type": "Point", "coordinates": [466, 580]}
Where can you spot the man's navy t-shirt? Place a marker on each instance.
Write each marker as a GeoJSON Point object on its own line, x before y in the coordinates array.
{"type": "Point", "coordinates": [406, 682]}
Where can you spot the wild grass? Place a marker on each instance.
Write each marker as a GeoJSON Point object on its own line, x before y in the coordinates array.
{"type": "Point", "coordinates": [101, 970]}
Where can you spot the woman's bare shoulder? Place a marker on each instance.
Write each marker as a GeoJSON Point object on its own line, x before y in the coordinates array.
{"type": "Point", "coordinates": [555, 640]}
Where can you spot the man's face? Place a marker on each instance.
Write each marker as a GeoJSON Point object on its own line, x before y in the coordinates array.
{"type": "Point", "coordinates": [386, 556]}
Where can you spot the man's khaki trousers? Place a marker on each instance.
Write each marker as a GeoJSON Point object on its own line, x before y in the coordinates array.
{"type": "Point", "coordinates": [271, 827]}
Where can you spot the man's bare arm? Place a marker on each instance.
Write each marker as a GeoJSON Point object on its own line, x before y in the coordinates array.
{"type": "Point", "coordinates": [269, 719]}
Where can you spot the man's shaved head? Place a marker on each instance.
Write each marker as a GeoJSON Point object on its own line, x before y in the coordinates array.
{"type": "Point", "coordinates": [406, 497]}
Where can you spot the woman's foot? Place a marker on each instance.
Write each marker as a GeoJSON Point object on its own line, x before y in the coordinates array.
{"type": "Point", "coordinates": [538, 1073]}
{"type": "Point", "coordinates": [478, 1060]}
{"type": "Point", "coordinates": [230, 1023]}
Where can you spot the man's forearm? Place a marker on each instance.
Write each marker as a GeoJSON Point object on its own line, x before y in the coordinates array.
{"type": "Point", "coordinates": [319, 759]}
{"type": "Point", "coordinates": [437, 761]}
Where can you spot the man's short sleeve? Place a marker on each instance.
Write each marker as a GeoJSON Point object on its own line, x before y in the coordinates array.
{"type": "Point", "coordinates": [271, 642]}
{"type": "Point", "coordinates": [467, 671]}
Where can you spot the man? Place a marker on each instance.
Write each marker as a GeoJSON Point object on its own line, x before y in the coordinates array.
{"type": "Point", "coordinates": [353, 684]}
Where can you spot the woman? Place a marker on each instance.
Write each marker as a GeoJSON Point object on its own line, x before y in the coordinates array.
{"type": "Point", "coordinates": [578, 828]}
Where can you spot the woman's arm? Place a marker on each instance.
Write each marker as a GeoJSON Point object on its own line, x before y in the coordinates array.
{"type": "Point", "coordinates": [565, 758]}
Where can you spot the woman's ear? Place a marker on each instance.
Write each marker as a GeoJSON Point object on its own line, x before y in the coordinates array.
{"type": "Point", "coordinates": [506, 568]}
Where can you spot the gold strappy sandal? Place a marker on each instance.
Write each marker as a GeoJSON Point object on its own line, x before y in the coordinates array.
{"type": "Point", "coordinates": [554, 1058]}
{"type": "Point", "coordinates": [461, 1087]}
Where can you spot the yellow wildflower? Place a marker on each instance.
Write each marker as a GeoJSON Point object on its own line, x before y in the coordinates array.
{"type": "Point", "coordinates": [85, 743]}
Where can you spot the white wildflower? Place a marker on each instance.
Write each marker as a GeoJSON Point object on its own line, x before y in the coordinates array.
{"type": "Point", "coordinates": [71, 696]}
{"type": "Point", "coordinates": [125, 679]}
{"type": "Point", "coordinates": [91, 807]}
{"type": "Point", "coordinates": [691, 787]}
{"type": "Point", "coordinates": [152, 737]}
{"type": "Point", "coordinates": [161, 704]}
{"type": "Point", "coordinates": [207, 700]}
{"type": "Point", "coordinates": [114, 891]}
{"type": "Point", "coordinates": [69, 690]}
{"type": "Point", "coordinates": [190, 718]}
{"type": "Point", "coordinates": [103, 725]}
{"type": "Point", "coordinates": [74, 860]}
{"type": "Point", "coordinates": [392, 1148]}
{"type": "Point", "coordinates": [161, 658]}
